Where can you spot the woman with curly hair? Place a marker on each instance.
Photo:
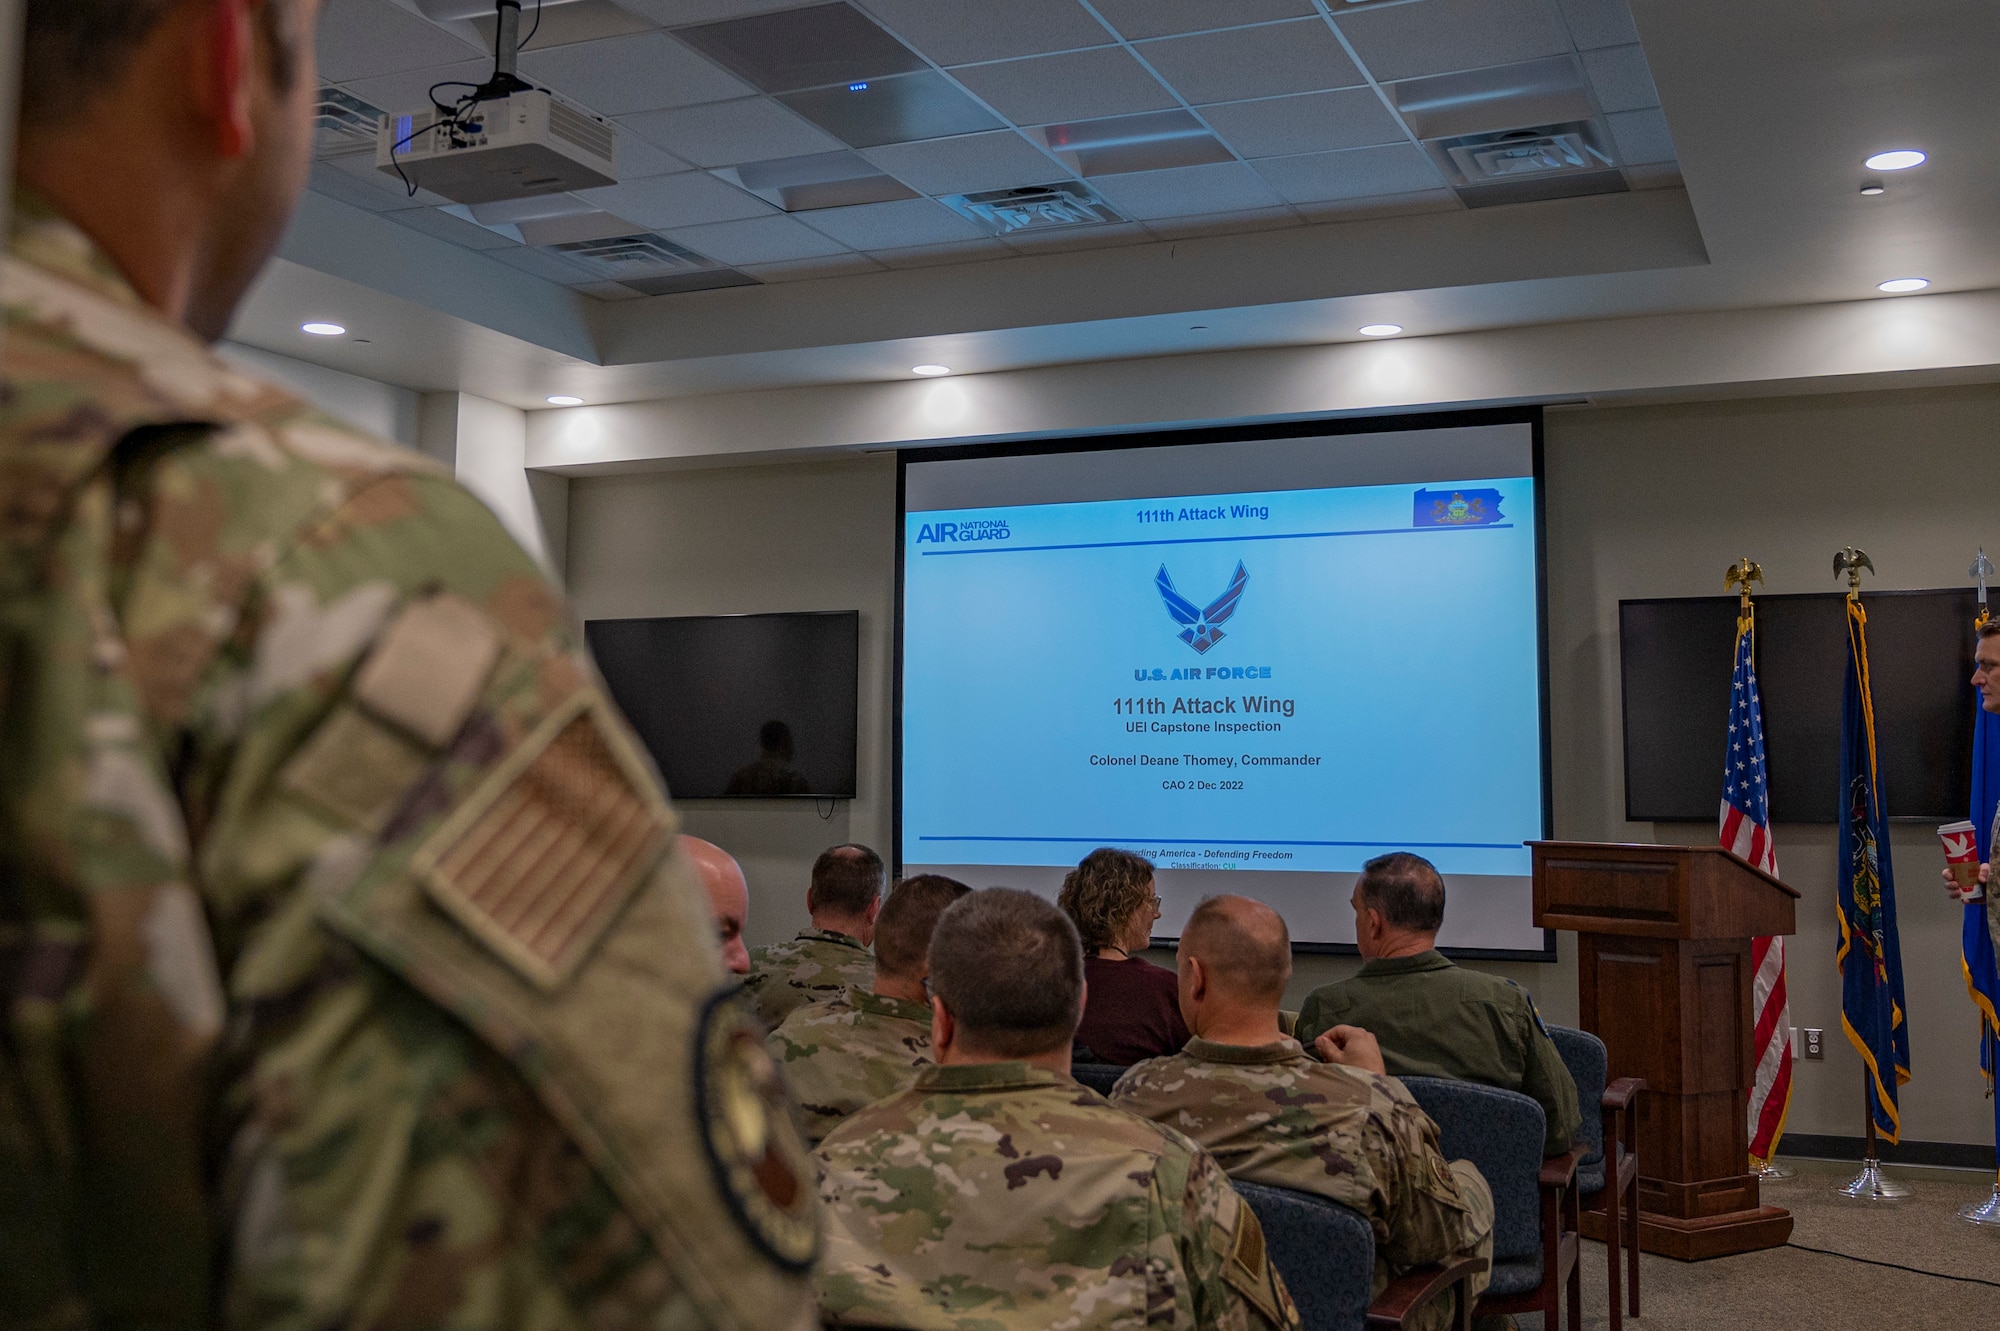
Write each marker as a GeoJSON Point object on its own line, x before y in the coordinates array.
{"type": "Point", "coordinates": [1131, 1010]}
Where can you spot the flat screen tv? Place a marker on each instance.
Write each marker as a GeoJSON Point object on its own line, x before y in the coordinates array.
{"type": "Point", "coordinates": [739, 706]}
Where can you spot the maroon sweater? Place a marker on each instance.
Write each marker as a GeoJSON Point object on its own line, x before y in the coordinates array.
{"type": "Point", "coordinates": [1132, 1011]}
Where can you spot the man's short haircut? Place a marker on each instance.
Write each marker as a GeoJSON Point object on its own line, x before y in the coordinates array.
{"type": "Point", "coordinates": [909, 917]}
{"type": "Point", "coordinates": [845, 880]}
{"type": "Point", "coordinates": [72, 50]}
{"type": "Point", "coordinates": [1407, 890]}
{"type": "Point", "coordinates": [1250, 959]}
{"type": "Point", "coordinates": [1986, 628]}
{"type": "Point", "coordinates": [1101, 893]}
{"type": "Point", "coordinates": [1009, 968]}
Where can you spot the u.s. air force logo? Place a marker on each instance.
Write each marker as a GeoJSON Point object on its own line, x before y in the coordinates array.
{"type": "Point", "coordinates": [752, 1144]}
{"type": "Point", "coordinates": [1201, 626]}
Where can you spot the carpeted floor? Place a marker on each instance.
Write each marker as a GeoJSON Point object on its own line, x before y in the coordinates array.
{"type": "Point", "coordinates": [1792, 1288]}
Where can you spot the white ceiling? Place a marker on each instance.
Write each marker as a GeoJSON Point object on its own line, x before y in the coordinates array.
{"type": "Point", "coordinates": [1323, 214]}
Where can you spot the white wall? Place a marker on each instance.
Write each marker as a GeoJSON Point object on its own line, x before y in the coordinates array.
{"type": "Point", "coordinates": [1643, 501]}
{"type": "Point", "coordinates": [483, 442]}
{"type": "Point", "coordinates": [383, 410]}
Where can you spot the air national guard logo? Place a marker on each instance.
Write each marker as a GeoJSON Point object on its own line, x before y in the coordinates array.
{"type": "Point", "coordinates": [1457, 508]}
{"type": "Point", "coordinates": [1201, 626]}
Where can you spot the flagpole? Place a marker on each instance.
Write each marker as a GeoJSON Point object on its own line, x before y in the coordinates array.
{"type": "Point", "coordinates": [1869, 1185]}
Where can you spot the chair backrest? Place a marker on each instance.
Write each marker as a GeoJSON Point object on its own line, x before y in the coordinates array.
{"type": "Point", "coordinates": [1590, 1068]}
{"type": "Point", "coordinates": [1099, 1077]}
{"type": "Point", "coordinates": [1501, 1133]}
{"type": "Point", "coordinates": [1325, 1252]}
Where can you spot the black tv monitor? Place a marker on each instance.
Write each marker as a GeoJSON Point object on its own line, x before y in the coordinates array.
{"type": "Point", "coordinates": [739, 706]}
{"type": "Point", "coordinates": [1677, 659]}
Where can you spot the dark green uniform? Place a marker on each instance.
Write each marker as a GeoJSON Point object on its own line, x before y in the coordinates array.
{"type": "Point", "coordinates": [1434, 1019]}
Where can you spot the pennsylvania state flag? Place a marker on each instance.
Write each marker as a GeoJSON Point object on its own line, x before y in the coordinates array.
{"type": "Point", "coordinates": [1982, 971]}
{"type": "Point", "coordinates": [1870, 957]}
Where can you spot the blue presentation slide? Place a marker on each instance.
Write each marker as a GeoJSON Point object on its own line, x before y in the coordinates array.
{"type": "Point", "coordinates": [1292, 680]}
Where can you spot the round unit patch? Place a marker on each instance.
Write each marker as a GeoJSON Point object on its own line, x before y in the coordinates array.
{"type": "Point", "coordinates": [759, 1162]}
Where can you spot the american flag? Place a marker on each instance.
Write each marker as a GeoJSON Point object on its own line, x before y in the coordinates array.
{"type": "Point", "coordinates": [1746, 830]}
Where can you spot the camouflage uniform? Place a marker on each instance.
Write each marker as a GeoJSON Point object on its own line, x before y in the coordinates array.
{"type": "Point", "coordinates": [850, 1052]}
{"type": "Point", "coordinates": [1001, 1197]}
{"type": "Point", "coordinates": [816, 966]}
{"type": "Point", "coordinates": [1436, 1019]}
{"type": "Point", "coordinates": [343, 946]}
{"type": "Point", "coordinates": [1273, 1114]}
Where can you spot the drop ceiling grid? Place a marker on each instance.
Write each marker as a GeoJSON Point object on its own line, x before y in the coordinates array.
{"type": "Point", "coordinates": [1276, 188]}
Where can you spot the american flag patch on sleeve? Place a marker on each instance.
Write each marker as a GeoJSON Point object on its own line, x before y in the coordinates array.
{"type": "Point", "coordinates": [541, 859]}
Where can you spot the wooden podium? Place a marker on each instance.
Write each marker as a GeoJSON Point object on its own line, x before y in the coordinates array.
{"type": "Point", "coordinates": [1664, 979]}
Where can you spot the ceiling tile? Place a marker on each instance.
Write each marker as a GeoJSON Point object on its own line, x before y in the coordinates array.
{"type": "Point", "coordinates": [362, 38]}
{"type": "Point", "coordinates": [1223, 224]}
{"type": "Point", "coordinates": [898, 109]}
{"type": "Point", "coordinates": [691, 198]}
{"type": "Point", "coordinates": [1596, 23]}
{"type": "Point", "coordinates": [1149, 141]}
{"type": "Point", "coordinates": [757, 240]}
{"type": "Point", "coordinates": [884, 226]}
{"type": "Point", "coordinates": [410, 89]}
{"type": "Point", "coordinates": [805, 270]}
{"type": "Point", "coordinates": [359, 169]}
{"type": "Point", "coordinates": [638, 159]}
{"type": "Point", "coordinates": [1269, 61]}
{"type": "Point", "coordinates": [607, 291]}
{"type": "Point", "coordinates": [1641, 136]}
{"type": "Point", "coordinates": [1315, 122]}
{"type": "Point", "coordinates": [753, 129]}
{"type": "Point", "coordinates": [642, 72]}
{"type": "Point", "coordinates": [454, 229]}
{"type": "Point", "coordinates": [959, 32]}
{"type": "Point", "coordinates": [937, 256]}
{"type": "Point", "coordinates": [337, 184]}
{"type": "Point", "coordinates": [1622, 80]}
{"type": "Point", "coordinates": [1221, 187]}
{"type": "Point", "coordinates": [1438, 36]}
{"type": "Point", "coordinates": [803, 48]}
{"type": "Point", "coordinates": [971, 162]}
{"type": "Point", "coordinates": [1398, 168]}
{"type": "Point", "coordinates": [1382, 205]}
{"type": "Point", "coordinates": [572, 21]}
{"type": "Point", "coordinates": [1161, 18]}
{"type": "Point", "coordinates": [1081, 85]}
{"type": "Point", "coordinates": [1078, 238]}
{"type": "Point", "coordinates": [540, 263]}
{"type": "Point", "coordinates": [668, 13]}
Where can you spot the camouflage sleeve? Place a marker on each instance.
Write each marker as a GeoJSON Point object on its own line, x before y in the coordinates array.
{"type": "Point", "coordinates": [1430, 1216]}
{"type": "Point", "coordinates": [1546, 1079]}
{"type": "Point", "coordinates": [436, 862]}
{"type": "Point", "coordinates": [1232, 1284]}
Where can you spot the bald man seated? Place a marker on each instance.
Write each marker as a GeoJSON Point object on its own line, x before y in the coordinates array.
{"type": "Point", "coordinates": [873, 1040]}
{"type": "Point", "coordinates": [728, 898]}
{"type": "Point", "coordinates": [1270, 1113]}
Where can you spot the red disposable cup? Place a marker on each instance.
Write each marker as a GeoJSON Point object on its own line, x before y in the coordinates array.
{"type": "Point", "coordinates": [1961, 856]}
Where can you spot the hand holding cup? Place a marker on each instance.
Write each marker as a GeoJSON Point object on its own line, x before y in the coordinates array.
{"type": "Point", "coordinates": [1964, 875]}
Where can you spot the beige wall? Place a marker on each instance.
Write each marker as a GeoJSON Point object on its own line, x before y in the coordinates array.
{"type": "Point", "coordinates": [1642, 501]}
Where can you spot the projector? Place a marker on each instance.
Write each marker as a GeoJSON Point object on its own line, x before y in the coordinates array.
{"type": "Point", "coordinates": [511, 147]}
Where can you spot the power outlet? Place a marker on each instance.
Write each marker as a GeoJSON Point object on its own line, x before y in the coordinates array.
{"type": "Point", "coordinates": [1815, 1042]}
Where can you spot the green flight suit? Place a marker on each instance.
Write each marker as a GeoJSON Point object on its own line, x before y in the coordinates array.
{"type": "Point", "coordinates": [1434, 1019]}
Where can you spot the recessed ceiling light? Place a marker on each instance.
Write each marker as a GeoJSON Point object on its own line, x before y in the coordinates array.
{"type": "Point", "coordinates": [930, 371]}
{"type": "Point", "coordinates": [1902, 159]}
{"type": "Point", "coordinates": [322, 329]}
{"type": "Point", "coordinates": [564, 400]}
{"type": "Point", "coordinates": [1898, 285]}
{"type": "Point", "coordinates": [1379, 330]}
{"type": "Point", "coordinates": [1873, 187]}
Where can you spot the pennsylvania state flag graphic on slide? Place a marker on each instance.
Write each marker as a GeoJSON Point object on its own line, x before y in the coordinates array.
{"type": "Point", "coordinates": [1870, 957]}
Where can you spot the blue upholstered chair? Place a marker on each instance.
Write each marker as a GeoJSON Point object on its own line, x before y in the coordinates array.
{"type": "Point", "coordinates": [1616, 1121]}
{"type": "Point", "coordinates": [1534, 1200]}
{"type": "Point", "coordinates": [1326, 1253]}
{"type": "Point", "coordinates": [1099, 1077]}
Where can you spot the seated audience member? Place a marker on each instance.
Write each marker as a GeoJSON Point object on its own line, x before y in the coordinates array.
{"type": "Point", "coordinates": [996, 1193]}
{"type": "Point", "coordinates": [1431, 1018]}
{"type": "Point", "coordinates": [1132, 1013]}
{"type": "Point", "coordinates": [855, 1049]}
{"type": "Point", "coordinates": [1271, 1113]}
{"type": "Point", "coordinates": [822, 961]}
{"type": "Point", "coordinates": [728, 898]}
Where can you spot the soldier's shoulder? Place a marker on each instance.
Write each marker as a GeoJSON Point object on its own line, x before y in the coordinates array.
{"type": "Point", "coordinates": [1152, 1076]}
